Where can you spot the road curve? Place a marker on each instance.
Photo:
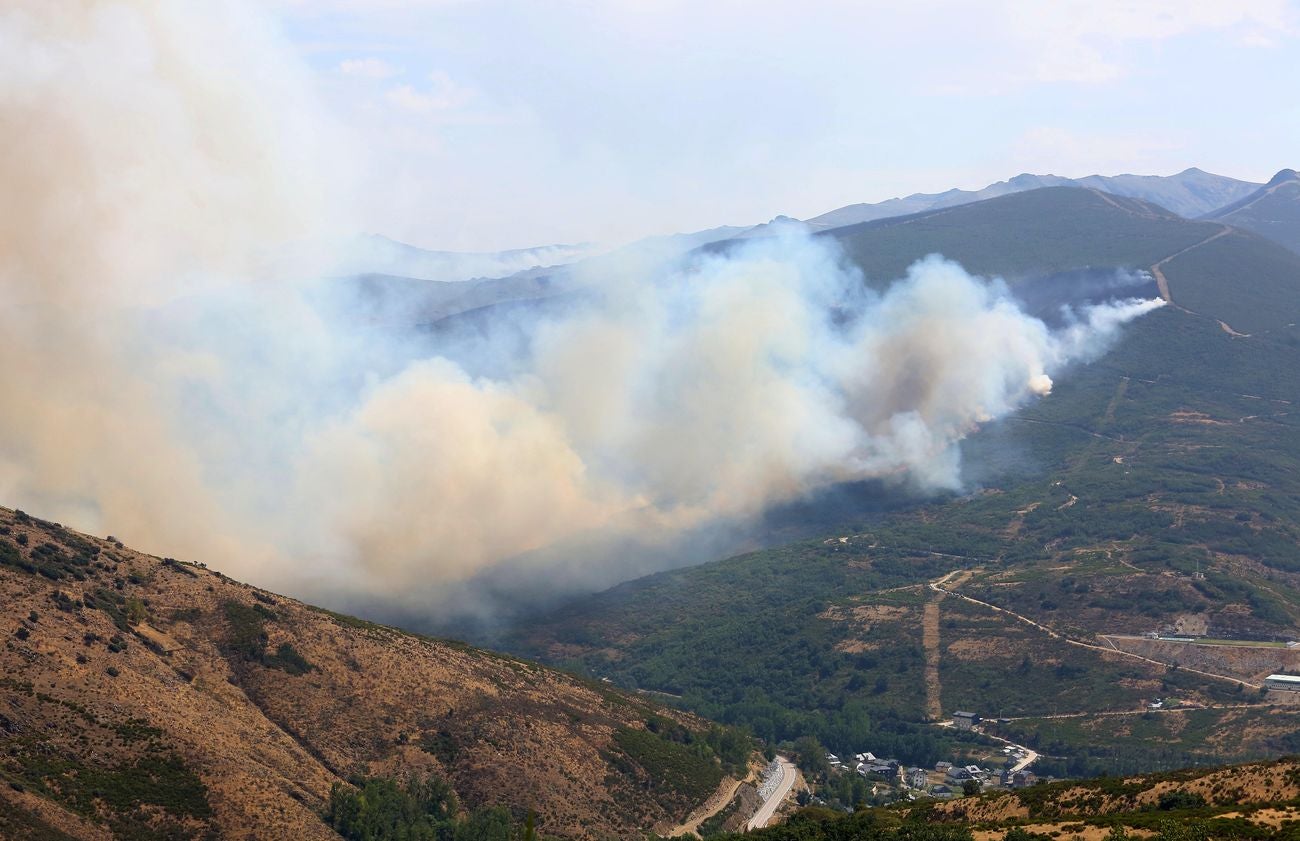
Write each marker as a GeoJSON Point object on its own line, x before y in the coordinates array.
{"type": "Point", "coordinates": [769, 807]}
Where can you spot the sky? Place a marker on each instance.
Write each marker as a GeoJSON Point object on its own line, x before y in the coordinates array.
{"type": "Point", "coordinates": [489, 124]}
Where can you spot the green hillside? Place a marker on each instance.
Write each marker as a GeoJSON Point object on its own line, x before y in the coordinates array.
{"type": "Point", "coordinates": [1157, 486]}
{"type": "Point", "coordinates": [1273, 211]}
{"type": "Point", "coordinates": [1052, 229]}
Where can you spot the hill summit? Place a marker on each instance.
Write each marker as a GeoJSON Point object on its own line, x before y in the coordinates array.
{"type": "Point", "coordinates": [1272, 211]}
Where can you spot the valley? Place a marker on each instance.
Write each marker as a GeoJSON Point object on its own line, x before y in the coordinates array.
{"type": "Point", "coordinates": [1110, 508]}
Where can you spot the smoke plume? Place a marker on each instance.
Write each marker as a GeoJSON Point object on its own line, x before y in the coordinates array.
{"type": "Point", "coordinates": [177, 372]}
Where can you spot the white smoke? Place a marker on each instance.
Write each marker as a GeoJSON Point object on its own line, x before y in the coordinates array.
{"type": "Point", "coordinates": [160, 385]}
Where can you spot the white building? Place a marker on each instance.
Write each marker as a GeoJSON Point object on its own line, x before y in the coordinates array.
{"type": "Point", "coordinates": [1285, 683]}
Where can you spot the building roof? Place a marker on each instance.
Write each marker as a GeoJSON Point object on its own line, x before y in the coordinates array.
{"type": "Point", "coordinates": [964, 714]}
{"type": "Point", "coordinates": [1284, 678]}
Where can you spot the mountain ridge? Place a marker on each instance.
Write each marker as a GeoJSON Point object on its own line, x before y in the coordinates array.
{"type": "Point", "coordinates": [1190, 193]}
{"type": "Point", "coordinates": [1272, 211]}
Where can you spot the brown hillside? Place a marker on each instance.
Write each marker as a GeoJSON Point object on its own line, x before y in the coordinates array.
{"type": "Point", "coordinates": [141, 694]}
{"type": "Point", "coordinates": [1235, 787]}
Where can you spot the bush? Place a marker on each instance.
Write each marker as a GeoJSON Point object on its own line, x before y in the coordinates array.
{"type": "Point", "coordinates": [1171, 800]}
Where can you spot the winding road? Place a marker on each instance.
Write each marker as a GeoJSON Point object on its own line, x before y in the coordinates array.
{"type": "Point", "coordinates": [765, 812]}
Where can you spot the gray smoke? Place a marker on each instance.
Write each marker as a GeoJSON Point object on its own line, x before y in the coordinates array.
{"type": "Point", "coordinates": [171, 375]}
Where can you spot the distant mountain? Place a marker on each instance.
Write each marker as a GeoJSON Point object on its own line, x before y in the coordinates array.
{"type": "Point", "coordinates": [376, 254]}
{"type": "Point", "coordinates": [1190, 193]}
{"type": "Point", "coordinates": [1272, 211]}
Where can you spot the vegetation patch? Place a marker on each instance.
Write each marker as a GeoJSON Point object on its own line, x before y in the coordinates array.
{"type": "Point", "coordinates": [248, 639]}
{"type": "Point", "coordinates": [690, 771]}
{"type": "Point", "coordinates": [422, 809]}
{"type": "Point", "coordinates": [155, 796]}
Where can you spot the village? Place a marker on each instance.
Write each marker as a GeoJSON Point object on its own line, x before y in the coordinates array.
{"type": "Point", "coordinates": [1007, 768]}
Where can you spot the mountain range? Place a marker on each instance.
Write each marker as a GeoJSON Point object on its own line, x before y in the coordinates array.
{"type": "Point", "coordinates": [1191, 193]}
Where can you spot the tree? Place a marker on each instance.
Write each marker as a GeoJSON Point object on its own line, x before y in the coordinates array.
{"type": "Point", "coordinates": [970, 788]}
{"type": "Point", "coordinates": [812, 756]}
{"type": "Point", "coordinates": [1019, 833]}
{"type": "Point", "coordinates": [135, 612]}
{"type": "Point", "coordinates": [1183, 831]}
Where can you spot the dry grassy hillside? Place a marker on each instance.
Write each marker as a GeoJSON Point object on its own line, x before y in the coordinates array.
{"type": "Point", "coordinates": [1236, 801]}
{"type": "Point", "coordinates": [146, 698]}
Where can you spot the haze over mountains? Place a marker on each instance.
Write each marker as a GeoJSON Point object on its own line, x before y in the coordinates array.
{"type": "Point", "coordinates": [1191, 193]}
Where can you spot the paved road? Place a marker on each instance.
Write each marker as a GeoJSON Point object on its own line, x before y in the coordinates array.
{"type": "Point", "coordinates": [1030, 756]}
{"type": "Point", "coordinates": [769, 807]}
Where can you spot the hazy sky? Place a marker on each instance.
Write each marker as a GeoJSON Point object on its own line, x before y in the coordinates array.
{"type": "Point", "coordinates": [500, 124]}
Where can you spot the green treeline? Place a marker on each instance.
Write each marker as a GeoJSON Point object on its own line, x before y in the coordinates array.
{"type": "Point", "coordinates": [423, 809]}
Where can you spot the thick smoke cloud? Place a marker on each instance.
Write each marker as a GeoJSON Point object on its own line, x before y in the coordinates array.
{"type": "Point", "coordinates": [172, 376]}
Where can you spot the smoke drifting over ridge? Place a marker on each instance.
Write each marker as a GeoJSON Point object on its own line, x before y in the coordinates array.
{"type": "Point", "coordinates": [170, 375]}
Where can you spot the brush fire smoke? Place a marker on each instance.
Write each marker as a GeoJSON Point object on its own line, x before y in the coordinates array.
{"type": "Point", "coordinates": [165, 377]}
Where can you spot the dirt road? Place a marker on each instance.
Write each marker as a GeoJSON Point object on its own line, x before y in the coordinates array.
{"type": "Point", "coordinates": [930, 642]}
{"type": "Point", "coordinates": [1157, 270]}
{"type": "Point", "coordinates": [1120, 713]}
{"type": "Point", "coordinates": [716, 803]}
{"type": "Point", "coordinates": [939, 585]}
